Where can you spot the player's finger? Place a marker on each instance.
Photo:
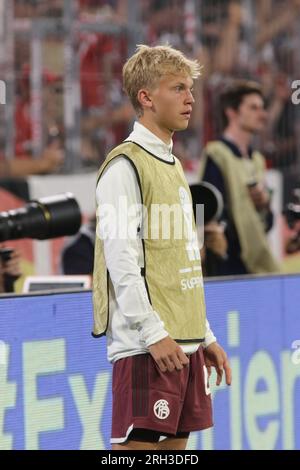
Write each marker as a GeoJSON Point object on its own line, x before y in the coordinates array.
{"type": "Point", "coordinates": [169, 363]}
{"type": "Point", "coordinates": [183, 357]}
{"type": "Point", "coordinates": [177, 362]}
{"type": "Point", "coordinates": [219, 371]}
{"type": "Point", "coordinates": [161, 365]}
{"type": "Point", "coordinates": [228, 373]}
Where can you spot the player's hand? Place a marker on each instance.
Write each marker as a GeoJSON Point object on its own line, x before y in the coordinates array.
{"type": "Point", "coordinates": [296, 4]}
{"type": "Point", "coordinates": [260, 196]}
{"type": "Point", "coordinates": [235, 13]}
{"type": "Point", "coordinates": [168, 355]}
{"type": "Point", "coordinates": [215, 239]}
{"type": "Point", "coordinates": [52, 158]}
{"type": "Point", "coordinates": [215, 356]}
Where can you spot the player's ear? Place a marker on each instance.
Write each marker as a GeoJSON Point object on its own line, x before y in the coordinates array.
{"type": "Point", "coordinates": [144, 98]}
{"type": "Point", "coordinates": [230, 113]}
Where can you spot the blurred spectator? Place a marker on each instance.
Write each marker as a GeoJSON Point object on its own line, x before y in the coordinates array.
{"type": "Point", "coordinates": [293, 243]}
{"type": "Point", "coordinates": [237, 170]}
{"type": "Point", "coordinates": [10, 271]}
{"type": "Point", "coordinates": [52, 106]}
{"type": "Point", "coordinates": [231, 38]}
{"type": "Point", "coordinates": [95, 68]}
{"type": "Point", "coordinates": [38, 8]}
{"type": "Point", "coordinates": [52, 157]}
{"type": "Point", "coordinates": [275, 17]}
{"type": "Point", "coordinates": [51, 160]}
{"type": "Point", "coordinates": [280, 143]}
{"type": "Point", "coordinates": [106, 112]}
{"type": "Point", "coordinates": [164, 22]}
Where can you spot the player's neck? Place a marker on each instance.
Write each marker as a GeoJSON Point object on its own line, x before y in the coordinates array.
{"type": "Point", "coordinates": [239, 137]}
{"type": "Point", "coordinates": [163, 134]}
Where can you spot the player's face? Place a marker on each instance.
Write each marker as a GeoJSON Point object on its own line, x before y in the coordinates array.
{"type": "Point", "coordinates": [172, 102]}
{"type": "Point", "coordinates": [251, 115]}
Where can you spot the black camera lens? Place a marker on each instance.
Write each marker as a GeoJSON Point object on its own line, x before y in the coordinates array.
{"type": "Point", "coordinates": [45, 218]}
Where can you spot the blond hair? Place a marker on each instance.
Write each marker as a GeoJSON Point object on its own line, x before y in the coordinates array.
{"type": "Point", "coordinates": [149, 64]}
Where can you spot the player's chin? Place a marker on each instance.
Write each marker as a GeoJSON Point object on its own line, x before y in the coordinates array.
{"type": "Point", "coordinates": [181, 126]}
{"type": "Point", "coordinates": [260, 127]}
{"type": "Point", "coordinates": [255, 128]}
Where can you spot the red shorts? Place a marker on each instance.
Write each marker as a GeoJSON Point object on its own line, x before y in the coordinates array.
{"type": "Point", "coordinates": [168, 402]}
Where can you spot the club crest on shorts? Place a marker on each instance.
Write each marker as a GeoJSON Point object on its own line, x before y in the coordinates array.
{"type": "Point", "coordinates": [161, 409]}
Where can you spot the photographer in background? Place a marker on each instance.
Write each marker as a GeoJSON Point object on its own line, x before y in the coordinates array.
{"type": "Point", "coordinates": [293, 244]}
{"type": "Point", "coordinates": [10, 269]}
{"type": "Point", "coordinates": [292, 215]}
{"type": "Point", "coordinates": [238, 171]}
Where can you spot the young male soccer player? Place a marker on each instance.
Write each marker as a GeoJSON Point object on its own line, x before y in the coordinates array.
{"type": "Point", "coordinates": [148, 287]}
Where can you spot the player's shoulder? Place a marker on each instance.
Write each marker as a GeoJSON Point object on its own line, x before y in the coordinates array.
{"type": "Point", "coordinates": [119, 165]}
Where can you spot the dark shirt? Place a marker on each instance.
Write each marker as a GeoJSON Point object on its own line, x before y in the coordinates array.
{"type": "Point", "coordinates": [78, 256]}
{"type": "Point", "coordinates": [233, 264]}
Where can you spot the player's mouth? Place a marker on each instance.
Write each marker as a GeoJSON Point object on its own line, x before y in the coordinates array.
{"type": "Point", "coordinates": [187, 114]}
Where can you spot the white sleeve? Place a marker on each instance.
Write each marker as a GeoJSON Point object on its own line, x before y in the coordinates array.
{"type": "Point", "coordinates": [209, 336]}
{"type": "Point", "coordinates": [118, 195]}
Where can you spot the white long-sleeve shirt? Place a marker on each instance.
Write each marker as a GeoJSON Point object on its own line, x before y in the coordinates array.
{"type": "Point", "coordinates": [133, 323]}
